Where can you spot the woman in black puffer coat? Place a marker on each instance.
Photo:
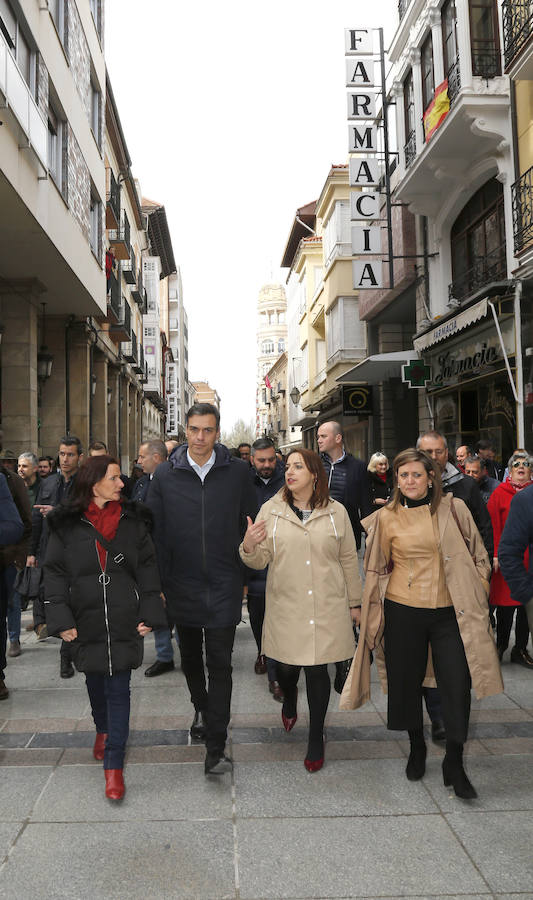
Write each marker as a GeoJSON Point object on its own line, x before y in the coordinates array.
{"type": "Point", "coordinates": [102, 593]}
{"type": "Point", "coordinates": [379, 480]}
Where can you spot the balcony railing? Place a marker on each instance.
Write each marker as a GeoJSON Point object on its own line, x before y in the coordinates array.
{"type": "Point", "coordinates": [122, 330]}
{"type": "Point", "coordinates": [486, 62]}
{"type": "Point", "coordinates": [113, 299]}
{"type": "Point", "coordinates": [522, 198]}
{"type": "Point", "coordinates": [112, 212]}
{"type": "Point", "coordinates": [138, 292]}
{"type": "Point", "coordinates": [409, 149]}
{"type": "Point", "coordinates": [402, 8]}
{"type": "Point", "coordinates": [119, 238]}
{"type": "Point", "coordinates": [454, 81]}
{"type": "Point", "coordinates": [17, 97]}
{"type": "Point", "coordinates": [129, 349]}
{"type": "Point", "coordinates": [517, 18]}
{"type": "Point", "coordinates": [129, 268]}
{"type": "Point", "coordinates": [485, 271]}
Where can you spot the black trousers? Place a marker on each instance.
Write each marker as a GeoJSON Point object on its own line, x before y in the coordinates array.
{"type": "Point", "coordinates": [408, 633]}
{"type": "Point", "coordinates": [504, 623]}
{"type": "Point", "coordinates": [215, 698]}
{"type": "Point", "coordinates": [256, 611]}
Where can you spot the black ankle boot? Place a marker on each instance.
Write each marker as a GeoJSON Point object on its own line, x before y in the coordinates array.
{"type": "Point", "coordinates": [453, 772]}
{"type": "Point", "coordinates": [416, 764]}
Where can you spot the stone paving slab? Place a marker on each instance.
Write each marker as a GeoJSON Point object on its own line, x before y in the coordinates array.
{"type": "Point", "coordinates": [500, 844]}
{"type": "Point", "coordinates": [332, 857]}
{"type": "Point", "coordinates": [29, 757]}
{"type": "Point", "coordinates": [502, 784]}
{"type": "Point", "coordinates": [20, 790]}
{"type": "Point", "coordinates": [343, 788]}
{"type": "Point", "coordinates": [153, 793]}
{"type": "Point", "coordinates": [121, 861]}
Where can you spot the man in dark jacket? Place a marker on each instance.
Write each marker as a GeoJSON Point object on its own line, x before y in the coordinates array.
{"type": "Point", "coordinates": [517, 537]}
{"type": "Point", "coordinates": [53, 491]}
{"type": "Point", "coordinates": [476, 468]}
{"type": "Point", "coordinates": [464, 488]}
{"type": "Point", "coordinates": [347, 477]}
{"type": "Point", "coordinates": [485, 450]}
{"type": "Point", "coordinates": [12, 558]}
{"type": "Point", "coordinates": [268, 476]}
{"type": "Point", "coordinates": [200, 502]}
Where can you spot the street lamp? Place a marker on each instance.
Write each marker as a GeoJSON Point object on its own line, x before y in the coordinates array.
{"type": "Point", "coordinates": [295, 395]}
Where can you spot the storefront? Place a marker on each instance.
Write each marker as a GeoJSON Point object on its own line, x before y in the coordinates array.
{"type": "Point", "coordinates": [473, 390]}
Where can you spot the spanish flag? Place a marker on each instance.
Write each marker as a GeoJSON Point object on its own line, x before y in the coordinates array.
{"type": "Point", "coordinates": [437, 110]}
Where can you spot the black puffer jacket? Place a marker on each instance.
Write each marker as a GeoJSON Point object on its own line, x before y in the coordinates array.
{"type": "Point", "coordinates": [105, 607]}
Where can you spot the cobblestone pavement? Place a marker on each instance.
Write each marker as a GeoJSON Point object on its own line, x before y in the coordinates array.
{"type": "Point", "coordinates": [358, 828]}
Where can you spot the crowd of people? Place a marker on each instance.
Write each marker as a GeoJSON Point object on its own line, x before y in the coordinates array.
{"type": "Point", "coordinates": [196, 529]}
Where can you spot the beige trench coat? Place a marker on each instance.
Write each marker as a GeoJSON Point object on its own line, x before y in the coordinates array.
{"type": "Point", "coordinates": [313, 578]}
{"type": "Point", "coordinates": [466, 568]}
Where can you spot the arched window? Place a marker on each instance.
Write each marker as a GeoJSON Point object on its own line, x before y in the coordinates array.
{"type": "Point", "coordinates": [281, 345]}
{"type": "Point", "coordinates": [267, 347]}
{"type": "Point", "coordinates": [478, 242]}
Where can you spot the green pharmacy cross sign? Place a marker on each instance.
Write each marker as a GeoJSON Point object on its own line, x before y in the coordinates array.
{"type": "Point", "coordinates": [416, 374]}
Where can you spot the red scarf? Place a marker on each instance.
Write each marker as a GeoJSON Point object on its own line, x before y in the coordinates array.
{"type": "Point", "coordinates": [105, 521]}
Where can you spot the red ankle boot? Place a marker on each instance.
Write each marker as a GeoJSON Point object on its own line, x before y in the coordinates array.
{"type": "Point", "coordinates": [114, 784]}
{"type": "Point", "coordinates": [99, 745]}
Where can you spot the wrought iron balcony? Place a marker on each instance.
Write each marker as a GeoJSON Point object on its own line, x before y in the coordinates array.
{"type": "Point", "coordinates": [517, 18]}
{"type": "Point", "coordinates": [119, 238]}
{"type": "Point", "coordinates": [113, 299]}
{"type": "Point", "coordinates": [138, 292]}
{"type": "Point", "coordinates": [522, 198]}
{"type": "Point", "coordinates": [410, 149]}
{"type": "Point", "coordinates": [486, 62]}
{"type": "Point", "coordinates": [112, 211]}
{"type": "Point", "coordinates": [129, 269]}
{"type": "Point", "coordinates": [454, 81]}
{"type": "Point", "coordinates": [486, 270]}
{"type": "Point", "coordinates": [129, 350]}
{"type": "Point", "coordinates": [122, 330]}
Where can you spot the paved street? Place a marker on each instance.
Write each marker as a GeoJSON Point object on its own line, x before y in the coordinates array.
{"type": "Point", "coordinates": [358, 828]}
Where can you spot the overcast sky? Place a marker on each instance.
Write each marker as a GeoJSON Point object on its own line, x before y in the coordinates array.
{"type": "Point", "coordinates": [233, 114]}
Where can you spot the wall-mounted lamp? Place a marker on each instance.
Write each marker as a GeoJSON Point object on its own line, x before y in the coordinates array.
{"type": "Point", "coordinates": [295, 396]}
{"type": "Point", "coordinates": [93, 385]}
{"type": "Point", "coordinates": [109, 395]}
{"type": "Point", "coordinates": [44, 358]}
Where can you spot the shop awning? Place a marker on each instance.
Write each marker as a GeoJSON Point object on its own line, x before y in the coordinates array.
{"type": "Point", "coordinates": [451, 326]}
{"type": "Point", "coordinates": [379, 367]}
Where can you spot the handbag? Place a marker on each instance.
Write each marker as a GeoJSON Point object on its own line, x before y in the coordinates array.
{"type": "Point", "coordinates": [344, 666]}
{"type": "Point", "coordinates": [27, 584]}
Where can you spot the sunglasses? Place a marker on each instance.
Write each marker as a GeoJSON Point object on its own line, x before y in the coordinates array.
{"type": "Point", "coordinates": [521, 462]}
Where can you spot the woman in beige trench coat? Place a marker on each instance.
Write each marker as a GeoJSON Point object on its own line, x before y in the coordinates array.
{"type": "Point", "coordinates": [426, 589]}
{"type": "Point", "coordinates": [313, 589]}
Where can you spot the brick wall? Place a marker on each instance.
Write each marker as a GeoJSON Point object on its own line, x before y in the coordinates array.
{"type": "Point", "coordinates": [79, 184]}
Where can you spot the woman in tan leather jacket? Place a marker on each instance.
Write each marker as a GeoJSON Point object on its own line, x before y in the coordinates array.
{"type": "Point", "coordinates": [426, 587]}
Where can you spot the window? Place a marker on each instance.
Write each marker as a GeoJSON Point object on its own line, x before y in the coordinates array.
{"type": "Point", "coordinates": [281, 345]}
{"type": "Point", "coordinates": [95, 218]}
{"type": "Point", "coordinates": [337, 231]}
{"type": "Point", "coordinates": [344, 330]}
{"type": "Point", "coordinates": [267, 347]}
{"type": "Point", "coordinates": [428, 78]}
{"type": "Point", "coordinates": [57, 134]}
{"type": "Point", "coordinates": [449, 36]}
{"type": "Point", "coordinates": [95, 11]}
{"type": "Point", "coordinates": [484, 38]}
{"type": "Point", "coordinates": [478, 241]}
{"type": "Point", "coordinates": [18, 42]}
{"type": "Point", "coordinates": [263, 396]}
{"type": "Point", "coordinates": [96, 106]}
{"type": "Point", "coordinates": [149, 331]}
{"type": "Point", "coordinates": [409, 119]}
{"type": "Point", "coordinates": [281, 318]}
{"type": "Point", "coordinates": [57, 11]}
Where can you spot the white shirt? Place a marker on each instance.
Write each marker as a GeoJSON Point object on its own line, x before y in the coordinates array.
{"type": "Point", "coordinates": [201, 471]}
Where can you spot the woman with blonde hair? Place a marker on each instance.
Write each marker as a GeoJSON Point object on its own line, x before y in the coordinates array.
{"type": "Point", "coordinates": [426, 588]}
{"type": "Point", "coordinates": [313, 588]}
{"type": "Point", "coordinates": [379, 480]}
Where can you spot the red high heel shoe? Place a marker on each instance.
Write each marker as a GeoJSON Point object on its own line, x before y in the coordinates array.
{"type": "Point", "coordinates": [99, 745]}
{"type": "Point", "coordinates": [314, 765]}
{"type": "Point", "coordinates": [114, 784]}
{"type": "Point", "coordinates": [289, 721]}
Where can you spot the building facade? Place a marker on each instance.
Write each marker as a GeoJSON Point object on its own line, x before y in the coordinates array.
{"type": "Point", "coordinates": [204, 393]}
{"type": "Point", "coordinates": [271, 342]}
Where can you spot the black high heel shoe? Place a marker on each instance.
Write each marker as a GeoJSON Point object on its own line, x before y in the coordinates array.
{"type": "Point", "coordinates": [453, 773]}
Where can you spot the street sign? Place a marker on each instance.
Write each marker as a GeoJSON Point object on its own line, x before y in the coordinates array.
{"type": "Point", "coordinates": [416, 374]}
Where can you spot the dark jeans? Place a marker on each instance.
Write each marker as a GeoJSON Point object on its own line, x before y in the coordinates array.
{"type": "Point", "coordinates": [408, 633]}
{"type": "Point", "coordinates": [7, 580]}
{"type": "Point", "coordinates": [504, 624]}
{"type": "Point", "coordinates": [256, 611]}
{"type": "Point", "coordinates": [215, 699]}
{"type": "Point", "coordinates": [109, 696]}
